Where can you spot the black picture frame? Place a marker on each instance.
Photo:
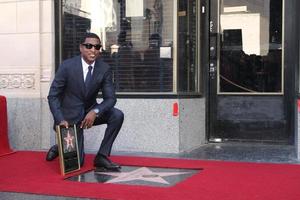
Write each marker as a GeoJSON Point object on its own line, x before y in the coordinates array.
{"type": "Point", "coordinates": [68, 149]}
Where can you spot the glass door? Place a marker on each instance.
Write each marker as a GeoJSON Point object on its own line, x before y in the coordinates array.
{"type": "Point", "coordinates": [247, 96]}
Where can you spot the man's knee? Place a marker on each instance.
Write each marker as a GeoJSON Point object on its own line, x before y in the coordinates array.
{"type": "Point", "coordinates": [118, 115]}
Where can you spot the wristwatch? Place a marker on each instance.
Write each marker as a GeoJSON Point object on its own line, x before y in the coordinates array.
{"type": "Point", "coordinates": [96, 110]}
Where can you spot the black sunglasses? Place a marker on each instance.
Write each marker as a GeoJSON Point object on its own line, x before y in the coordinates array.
{"type": "Point", "coordinates": [89, 46]}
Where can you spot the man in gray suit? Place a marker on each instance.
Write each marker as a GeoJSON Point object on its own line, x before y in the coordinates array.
{"type": "Point", "coordinates": [72, 100]}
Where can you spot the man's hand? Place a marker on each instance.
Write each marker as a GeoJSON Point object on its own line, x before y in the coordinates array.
{"type": "Point", "coordinates": [89, 119]}
{"type": "Point", "coordinates": [64, 123]}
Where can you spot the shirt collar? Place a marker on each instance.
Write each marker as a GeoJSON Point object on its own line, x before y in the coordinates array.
{"type": "Point", "coordinates": [85, 66]}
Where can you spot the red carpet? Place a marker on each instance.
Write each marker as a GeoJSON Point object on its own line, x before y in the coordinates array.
{"type": "Point", "coordinates": [4, 144]}
{"type": "Point", "coordinates": [28, 172]}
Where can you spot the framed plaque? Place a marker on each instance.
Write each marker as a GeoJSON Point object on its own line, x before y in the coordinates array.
{"type": "Point", "coordinates": [68, 149]}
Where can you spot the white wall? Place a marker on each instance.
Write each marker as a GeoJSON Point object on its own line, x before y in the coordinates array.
{"type": "Point", "coordinates": [27, 60]}
{"type": "Point", "coordinates": [27, 38]}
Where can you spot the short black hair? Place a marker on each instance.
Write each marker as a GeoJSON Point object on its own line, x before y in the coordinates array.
{"type": "Point", "coordinates": [89, 35]}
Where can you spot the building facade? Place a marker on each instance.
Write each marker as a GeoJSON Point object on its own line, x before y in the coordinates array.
{"type": "Point", "coordinates": [186, 72]}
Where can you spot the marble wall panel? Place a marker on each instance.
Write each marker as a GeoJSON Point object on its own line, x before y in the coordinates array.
{"type": "Point", "coordinates": [24, 123]}
{"type": "Point", "coordinates": [149, 126]}
{"type": "Point", "coordinates": [191, 123]}
{"type": "Point", "coordinates": [8, 17]}
{"type": "Point", "coordinates": [20, 50]}
{"type": "Point", "coordinates": [28, 16]}
{"type": "Point", "coordinates": [47, 56]}
{"type": "Point", "coordinates": [47, 13]}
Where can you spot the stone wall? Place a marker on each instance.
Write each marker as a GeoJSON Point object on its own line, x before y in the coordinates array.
{"type": "Point", "coordinates": [149, 126]}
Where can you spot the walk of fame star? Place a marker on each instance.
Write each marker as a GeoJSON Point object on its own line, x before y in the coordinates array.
{"type": "Point", "coordinates": [69, 140]}
{"type": "Point", "coordinates": [143, 173]}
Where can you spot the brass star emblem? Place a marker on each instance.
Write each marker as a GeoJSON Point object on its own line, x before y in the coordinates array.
{"type": "Point", "coordinates": [69, 140]}
{"type": "Point", "coordinates": [143, 173]}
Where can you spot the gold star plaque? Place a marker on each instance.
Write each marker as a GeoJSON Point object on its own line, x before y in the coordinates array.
{"type": "Point", "coordinates": [68, 149]}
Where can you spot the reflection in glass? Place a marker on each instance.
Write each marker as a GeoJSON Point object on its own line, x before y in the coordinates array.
{"type": "Point", "coordinates": [188, 46]}
{"type": "Point", "coordinates": [251, 46]}
{"type": "Point", "coordinates": [132, 33]}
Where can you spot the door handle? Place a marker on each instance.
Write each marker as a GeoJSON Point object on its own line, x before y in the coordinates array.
{"type": "Point", "coordinates": [212, 69]}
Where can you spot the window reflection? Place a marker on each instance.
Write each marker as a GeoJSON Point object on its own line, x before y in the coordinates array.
{"type": "Point", "coordinates": [188, 46]}
{"type": "Point", "coordinates": [138, 41]}
{"type": "Point", "coordinates": [132, 34]}
{"type": "Point", "coordinates": [251, 46]}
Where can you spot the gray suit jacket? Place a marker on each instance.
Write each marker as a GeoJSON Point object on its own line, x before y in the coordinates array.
{"type": "Point", "coordinates": [68, 98]}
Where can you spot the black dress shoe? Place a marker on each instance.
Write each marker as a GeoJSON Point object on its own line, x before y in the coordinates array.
{"type": "Point", "coordinates": [114, 164]}
{"type": "Point", "coordinates": [102, 163]}
{"type": "Point", "coordinates": [52, 153]}
{"type": "Point", "coordinates": [103, 169]}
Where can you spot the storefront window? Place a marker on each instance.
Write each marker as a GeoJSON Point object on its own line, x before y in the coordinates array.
{"type": "Point", "coordinates": [138, 38]}
{"type": "Point", "coordinates": [251, 47]}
